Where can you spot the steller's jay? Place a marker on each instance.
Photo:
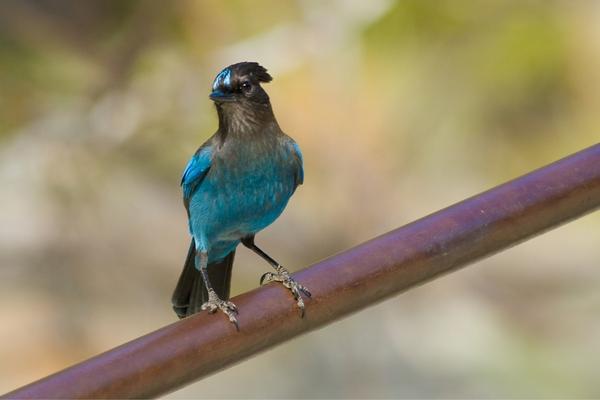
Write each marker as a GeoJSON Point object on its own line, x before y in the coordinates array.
{"type": "Point", "coordinates": [236, 184]}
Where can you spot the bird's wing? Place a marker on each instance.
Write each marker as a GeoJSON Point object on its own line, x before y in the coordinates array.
{"type": "Point", "coordinates": [195, 171]}
{"type": "Point", "coordinates": [297, 157]}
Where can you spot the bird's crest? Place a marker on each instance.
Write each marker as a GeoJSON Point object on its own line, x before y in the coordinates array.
{"type": "Point", "coordinates": [251, 69]}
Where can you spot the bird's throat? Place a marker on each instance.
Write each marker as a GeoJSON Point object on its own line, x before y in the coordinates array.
{"type": "Point", "coordinates": [244, 120]}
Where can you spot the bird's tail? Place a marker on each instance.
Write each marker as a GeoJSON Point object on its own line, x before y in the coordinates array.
{"type": "Point", "coordinates": [190, 292]}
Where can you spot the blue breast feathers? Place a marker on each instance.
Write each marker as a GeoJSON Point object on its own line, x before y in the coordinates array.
{"type": "Point", "coordinates": [195, 171]}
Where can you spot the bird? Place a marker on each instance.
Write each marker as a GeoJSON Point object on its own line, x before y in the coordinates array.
{"type": "Point", "coordinates": [236, 184]}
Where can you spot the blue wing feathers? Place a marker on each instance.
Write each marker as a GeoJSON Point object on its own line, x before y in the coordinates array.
{"type": "Point", "coordinates": [195, 171]}
{"type": "Point", "coordinates": [300, 173]}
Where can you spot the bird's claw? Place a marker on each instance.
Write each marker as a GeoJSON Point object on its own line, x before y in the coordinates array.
{"type": "Point", "coordinates": [283, 276]}
{"type": "Point", "coordinates": [214, 303]}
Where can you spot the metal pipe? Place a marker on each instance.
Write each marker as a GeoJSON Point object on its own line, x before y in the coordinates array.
{"type": "Point", "coordinates": [195, 347]}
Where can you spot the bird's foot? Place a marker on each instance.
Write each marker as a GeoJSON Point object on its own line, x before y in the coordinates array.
{"type": "Point", "coordinates": [282, 275]}
{"type": "Point", "coordinates": [214, 303]}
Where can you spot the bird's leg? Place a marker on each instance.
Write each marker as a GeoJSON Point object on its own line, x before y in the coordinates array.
{"type": "Point", "coordinates": [280, 275]}
{"type": "Point", "coordinates": [214, 302]}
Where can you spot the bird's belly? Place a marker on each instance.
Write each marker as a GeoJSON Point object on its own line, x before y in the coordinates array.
{"type": "Point", "coordinates": [228, 209]}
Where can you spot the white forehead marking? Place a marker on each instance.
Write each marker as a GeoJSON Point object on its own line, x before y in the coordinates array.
{"type": "Point", "coordinates": [224, 78]}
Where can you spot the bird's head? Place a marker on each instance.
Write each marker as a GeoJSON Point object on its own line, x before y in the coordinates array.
{"type": "Point", "coordinates": [239, 84]}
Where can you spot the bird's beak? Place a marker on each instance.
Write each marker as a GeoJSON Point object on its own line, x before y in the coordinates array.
{"type": "Point", "coordinates": [218, 96]}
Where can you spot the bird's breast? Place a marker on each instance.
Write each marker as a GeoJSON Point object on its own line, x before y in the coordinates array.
{"type": "Point", "coordinates": [245, 190]}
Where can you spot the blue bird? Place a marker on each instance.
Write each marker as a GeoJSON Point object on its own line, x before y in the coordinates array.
{"type": "Point", "coordinates": [235, 185]}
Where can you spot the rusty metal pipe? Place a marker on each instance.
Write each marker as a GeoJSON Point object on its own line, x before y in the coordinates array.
{"type": "Point", "coordinates": [195, 347]}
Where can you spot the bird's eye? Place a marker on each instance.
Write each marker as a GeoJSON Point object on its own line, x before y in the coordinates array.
{"type": "Point", "coordinates": [245, 86]}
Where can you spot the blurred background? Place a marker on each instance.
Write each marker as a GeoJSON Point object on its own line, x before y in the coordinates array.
{"type": "Point", "coordinates": [400, 107]}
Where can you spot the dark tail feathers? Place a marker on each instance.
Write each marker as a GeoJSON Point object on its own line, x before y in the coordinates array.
{"type": "Point", "coordinates": [190, 292]}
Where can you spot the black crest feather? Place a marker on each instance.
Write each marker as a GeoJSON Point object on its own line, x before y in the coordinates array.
{"type": "Point", "coordinates": [253, 69]}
